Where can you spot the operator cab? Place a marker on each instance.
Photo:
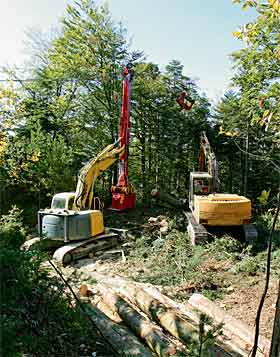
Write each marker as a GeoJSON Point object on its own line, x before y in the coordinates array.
{"type": "Point", "coordinates": [201, 184]}
{"type": "Point", "coordinates": [64, 200]}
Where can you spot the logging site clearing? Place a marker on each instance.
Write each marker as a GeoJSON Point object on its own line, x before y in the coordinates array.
{"type": "Point", "coordinates": [154, 252]}
{"type": "Point", "coordinates": [140, 187]}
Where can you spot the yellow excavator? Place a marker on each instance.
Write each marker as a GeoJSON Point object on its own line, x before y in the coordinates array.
{"type": "Point", "coordinates": [209, 208]}
{"type": "Point", "coordinates": [74, 223]}
{"type": "Point", "coordinates": [206, 206]}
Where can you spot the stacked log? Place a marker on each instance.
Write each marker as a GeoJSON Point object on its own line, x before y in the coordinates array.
{"type": "Point", "coordinates": [240, 332]}
{"type": "Point", "coordinates": [153, 336]}
{"type": "Point", "coordinates": [122, 341]}
{"type": "Point", "coordinates": [182, 322]}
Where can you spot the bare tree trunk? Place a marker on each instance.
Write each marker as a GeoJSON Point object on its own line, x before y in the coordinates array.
{"type": "Point", "coordinates": [230, 173]}
{"type": "Point", "coordinates": [143, 170]}
{"type": "Point", "coordinates": [246, 162]}
{"type": "Point", "coordinates": [275, 342]}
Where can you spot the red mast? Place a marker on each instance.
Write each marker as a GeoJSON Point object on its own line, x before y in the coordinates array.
{"type": "Point", "coordinates": [123, 195]}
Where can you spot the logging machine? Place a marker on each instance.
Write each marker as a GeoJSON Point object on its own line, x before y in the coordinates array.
{"type": "Point", "coordinates": [74, 223]}
{"type": "Point", "coordinates": [206, 206]}
{"type": "Point", "coordinates": [209, 208]}
{"type": "Point", "coordinates": [123, 194]}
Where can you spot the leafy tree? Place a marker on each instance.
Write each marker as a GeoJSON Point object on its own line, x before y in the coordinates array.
{"type": "Point", "coordinates": [255, 106]}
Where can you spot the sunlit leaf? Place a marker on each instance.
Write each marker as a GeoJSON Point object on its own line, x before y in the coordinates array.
{"type": "Point", "coordinates": [264, 197]}
{"type": "Point", "coordinates": [237, 34]}
{"type": "Point", "coordinates": [275, 5]}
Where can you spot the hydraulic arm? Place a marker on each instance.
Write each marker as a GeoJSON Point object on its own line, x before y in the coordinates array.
{"type": "Point", "coordinates": [85, 187]}
{"type": "Point", "coordinates": [123, 195]}
{"type": "Point", "coordinates": [207, 156]}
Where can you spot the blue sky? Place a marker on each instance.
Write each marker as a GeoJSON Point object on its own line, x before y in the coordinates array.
{"type": "Point", "coordinates": [196, 32]}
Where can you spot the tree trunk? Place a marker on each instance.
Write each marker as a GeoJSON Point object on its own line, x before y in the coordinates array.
{"type": "Point", "coordinates": [230, 173]}
{"type": "Point", "coordinates": [246, 161]}
{"type": "Point", "coordinates": [275, 342]}
{"type": "Point", "coordinates": [143, 169]}
{"type": "Point", "coordinates": [173, 201]}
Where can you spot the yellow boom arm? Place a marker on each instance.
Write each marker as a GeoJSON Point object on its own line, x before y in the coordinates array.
{"type": "Point", "coordinates": [89, 173]}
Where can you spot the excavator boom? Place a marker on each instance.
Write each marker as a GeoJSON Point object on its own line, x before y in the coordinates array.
{"type": "Point", "coordinates": [207, 161]}
{"type": "Point", "coordinates": [88, 174]}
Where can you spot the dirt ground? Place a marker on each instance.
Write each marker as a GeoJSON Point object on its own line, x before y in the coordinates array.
{"type": "Point", "coordinates": [242, 303]}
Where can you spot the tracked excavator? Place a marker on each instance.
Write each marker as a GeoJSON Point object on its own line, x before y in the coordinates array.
{"type": "Point", "coordinates": [206, 206]}
{"type": "Point", "coordinates": [209, 208]}
{"type": "Point", "coordinates": [74, 223]}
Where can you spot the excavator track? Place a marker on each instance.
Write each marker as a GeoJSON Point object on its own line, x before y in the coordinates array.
{"type": "Point", "coordinates": [41, 244]}
{"type": "Point", "coordinates": [250, 232]}
{"type": "Point", "coordinates": [76, 250]}
{"type": "Point", "coordinates": [197, 232]}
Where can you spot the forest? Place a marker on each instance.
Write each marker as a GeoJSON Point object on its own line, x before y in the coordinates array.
{"type": "Point", "coordinates": [65, 108]}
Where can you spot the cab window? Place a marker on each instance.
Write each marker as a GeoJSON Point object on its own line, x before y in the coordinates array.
{"type": "Point", "coordinates": [58, 203]}
{"type": "Point", "coordinates": [201, 187]}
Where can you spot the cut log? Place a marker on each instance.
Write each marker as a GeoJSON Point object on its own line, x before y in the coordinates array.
{"type": "Point", "coordinates": [181, 328]}
{"type": "Point", "coordinates": [184, 327]}
{"type": "Point", "coordinates": [122, 341]}
{"type": "Point", "coordinates": [140, 325]}
{"type": "Point", "coordinates": [166, 197]}
{"type": "Point", "coordinates": [107, 310]}
{"type": "Point", "coordinates": [181, 320]}
{"type": "Point", "coordinates": [238, 330]}
{"type": "Point", "coordinates": [164, 311]}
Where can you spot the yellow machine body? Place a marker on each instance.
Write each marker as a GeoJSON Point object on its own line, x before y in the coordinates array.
{"type": "Point", "coordinates": [96, 222]}
{"type": "Point", "coordinates": [222, 209]}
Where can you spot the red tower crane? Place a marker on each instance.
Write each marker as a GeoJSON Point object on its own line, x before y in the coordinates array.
{"type": "Point", "coordinates": [123, 195]}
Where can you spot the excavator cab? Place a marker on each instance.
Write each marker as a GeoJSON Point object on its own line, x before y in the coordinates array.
{"type": "Point", "coordinates": [64, 200]}
{"type": "Point", "coordinates": [201, 184]}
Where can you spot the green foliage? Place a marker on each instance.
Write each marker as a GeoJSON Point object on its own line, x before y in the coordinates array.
{"type": "Point", "coordinates": [266, 220]}
{"type": "Point", "coordinates": [53, 125]}
{"type": "Point", "coordinates": [12, 233]}
{"type": "Point", "coordinates": [264, 197]}
{"type": "Point", "coordinates": [207, 338]}
{"type": "Point", "coordinates": [169, 259]}
{"type": "Point", "coordinates": [208, 332]}
{"type": "Point", "coordinates": [36, 316]}
{"type": "Point", "coordinates": [248, 265]}
{"type": "Point", "coordinates": [165, 157]}
{"type": "Point", "coordinates": [254, 109]}
{"type": "Point", "coordinates": [225, 248]}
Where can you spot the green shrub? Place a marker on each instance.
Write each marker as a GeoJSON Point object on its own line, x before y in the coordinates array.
{"type": "Point", "coordinates": [225, 248]}
{"type": "Point", "coordinates": [36, 316]}
{"type": "Point", "coordinates": [249, 265]}
{"type": "Point", "coordinates": [12, 233]}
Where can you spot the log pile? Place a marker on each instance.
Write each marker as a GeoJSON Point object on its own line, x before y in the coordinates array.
{"type": "Point", "coordinates": [162, 326]}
